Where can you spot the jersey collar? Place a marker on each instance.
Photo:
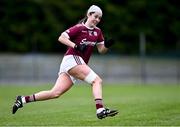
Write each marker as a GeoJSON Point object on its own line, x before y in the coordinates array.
{"type": "Point", "coordinates": [87, 26]}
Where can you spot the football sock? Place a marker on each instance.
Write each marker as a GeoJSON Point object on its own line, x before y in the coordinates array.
{"type": "Point", "coordinates": [99, 103]}
{"type": "Point", "coordinates": [27, 99]}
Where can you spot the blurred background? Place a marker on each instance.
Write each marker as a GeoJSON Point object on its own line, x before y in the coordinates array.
{"type": "Point", "coordinates": [147, 35]}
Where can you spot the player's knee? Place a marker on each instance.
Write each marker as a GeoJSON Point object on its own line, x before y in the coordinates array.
{"type": "Point", "coordinates": [98, 80]}
{"type": "Point", "coordinates": [91, 77]}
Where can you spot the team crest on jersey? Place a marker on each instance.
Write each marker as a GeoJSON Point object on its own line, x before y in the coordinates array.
{"type": "Point", "coordinates": [95, 33]}
{"type": "Point", "coordinates": [92, 33]}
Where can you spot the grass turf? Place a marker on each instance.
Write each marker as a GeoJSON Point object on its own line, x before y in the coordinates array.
{"type": "Point", "coordinates": [139, 105]}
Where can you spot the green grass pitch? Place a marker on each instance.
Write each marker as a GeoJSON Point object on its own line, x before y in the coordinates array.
{"type": "Point", "coordinates": [139, 105]}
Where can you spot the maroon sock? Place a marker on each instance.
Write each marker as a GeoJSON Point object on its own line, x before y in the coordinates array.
{"type": "Point", "coordinates": [30, 98]}
{"type": "Point", "coordinates": [99, 103]}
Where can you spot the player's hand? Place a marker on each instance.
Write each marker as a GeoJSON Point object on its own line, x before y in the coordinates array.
{"type": "Point", "coordinates": [108, 42]}
{"type": "Point", "coordinates": [80, 47]}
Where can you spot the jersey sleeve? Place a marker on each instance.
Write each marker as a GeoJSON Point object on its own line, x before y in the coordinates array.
{"type": "Point", "coordinates": [100, 39]}
{"type": "Point", "coordinates": [73, 31]}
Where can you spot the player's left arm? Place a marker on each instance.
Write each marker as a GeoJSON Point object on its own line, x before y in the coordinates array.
{"type": "Point", "coordinates": [101, 48]}
{"type": "Point", "coordinates": [103, 44]}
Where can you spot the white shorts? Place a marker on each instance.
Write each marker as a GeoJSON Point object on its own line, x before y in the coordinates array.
{"type": "Point", "coordinates": [68, 62]}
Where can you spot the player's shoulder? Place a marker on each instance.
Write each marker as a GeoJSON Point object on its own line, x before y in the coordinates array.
{"type": "Point", "coordinates": [79, 25]}
{"type": "Point", "coordinates": [76, 27]}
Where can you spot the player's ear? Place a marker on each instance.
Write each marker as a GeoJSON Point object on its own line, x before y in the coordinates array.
{"type": "Point", "coordinates": [88, 14]}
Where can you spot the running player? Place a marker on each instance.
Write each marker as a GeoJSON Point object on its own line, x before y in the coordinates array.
{"type": "Point", "coordinates": [80, 39]}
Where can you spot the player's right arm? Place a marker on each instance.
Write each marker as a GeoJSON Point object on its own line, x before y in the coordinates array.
{"type": "Point", "coordinates": [64, 39]}
{"type": "Point", "coordinates": [72, 32]}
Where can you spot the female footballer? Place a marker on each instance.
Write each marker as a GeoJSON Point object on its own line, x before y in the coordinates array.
{"type": "Point", "coordinates": [80, 39]}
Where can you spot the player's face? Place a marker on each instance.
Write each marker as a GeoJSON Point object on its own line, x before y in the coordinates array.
{"type": "Point", "coordinates": [94, 19]}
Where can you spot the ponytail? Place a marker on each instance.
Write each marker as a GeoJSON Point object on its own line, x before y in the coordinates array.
{"type": "Point", "coordinates": [83, 20]}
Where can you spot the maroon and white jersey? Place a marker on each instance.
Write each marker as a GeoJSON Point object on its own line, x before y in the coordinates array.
{"type": "Point", "coordinates": [80, 34]}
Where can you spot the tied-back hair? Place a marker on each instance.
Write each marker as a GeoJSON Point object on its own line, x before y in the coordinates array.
{"type": "Point", "coordinates": [83, 20]}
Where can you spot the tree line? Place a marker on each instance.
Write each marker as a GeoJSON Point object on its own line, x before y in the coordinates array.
{"type": "Point", "coordinates": [35, 25]}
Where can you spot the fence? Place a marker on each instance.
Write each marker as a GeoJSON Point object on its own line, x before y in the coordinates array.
{"type": "Point", "coordinates": [43, 68]}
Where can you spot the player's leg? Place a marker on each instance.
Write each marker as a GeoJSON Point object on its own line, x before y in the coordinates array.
{"type": "Point", "coordinates": [84, 72]}
{"type": "Point", "coordinates": [97, 92]}
{"type": "Point", "coordinates": [63, 83]}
